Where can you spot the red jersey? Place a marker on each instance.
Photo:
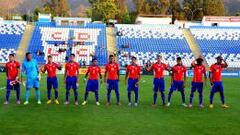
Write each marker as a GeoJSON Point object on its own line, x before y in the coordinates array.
{"type": "Point", "coordinates": [216, 71]}
{"type": "Point", "coordinates": [94, 72]}
{"type": "Point", "coordinates": [199, 71]}
{"type": "Point", "coordinates": [72, 68]}
{"type": "Point", "coordinates": [133, 71]}
{"type": "Point", "coordinates": [51, 69]}
{"type": "Point", "coordinates": [12, 69]}
{"type": "Point", "coordinates": [112, 70]}
{"type": "Point", "coordinates": [158, 69]}
{"type": "Point", "coordinates": [178, 72]}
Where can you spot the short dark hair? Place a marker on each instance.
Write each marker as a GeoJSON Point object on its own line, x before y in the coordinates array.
{"type": "Point", "coordinates": [199, 60]}
{"type": "Point", "coordinates": [94, 59]}
{"type": "Point", "coordinates": [133, 57]}
{"type": "Point", "coordinates": [72, 54]}
{"type": "Point", "coordinates": [49, 56]}
{"type": "Point", "coordinates": [219, 58]}
{"type": "Point", "coordinates": [12, 54]}
{"type": "Point", "coordinates": [28, 53]}
{"type": "Point", "coordinates": [110, 56]}
{"type": "Point", "coordinates": [179, 58]}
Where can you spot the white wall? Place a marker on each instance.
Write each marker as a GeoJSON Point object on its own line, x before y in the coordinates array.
{"type": "Point", "coordinates": [153, 20]}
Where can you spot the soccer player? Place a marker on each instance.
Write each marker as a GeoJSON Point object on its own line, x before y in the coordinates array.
{"type": "Point", "coordinates": [30, 69]}
{"type": "Point", "coordinates": [71, 78]}
{"type": "Point", "coordinates": [178, 80]}
{"type": "Point", "coordinates": [94, 72]}
{"type": "Point", "coordinates": [158, 82]}
{"type": "Point", "coordinates": [12, 71]}
{"type": "Point", "coordinates": [111, 77]}
{"type": "Point", "coordinates": [199, 71]}
{"type": "Point", "coordinates": [52, 81]}
{"type": "Point", "coordinates": [133, 75]}
{"type": "Point", "coordinates": [215, 76]}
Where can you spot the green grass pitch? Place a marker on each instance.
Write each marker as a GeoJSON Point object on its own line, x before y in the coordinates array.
{"type": "Point", "coordinates": [102, 120]}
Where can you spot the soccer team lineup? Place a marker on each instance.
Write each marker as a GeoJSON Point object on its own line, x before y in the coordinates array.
{"type": "Point", "coordinates": [29, 75]}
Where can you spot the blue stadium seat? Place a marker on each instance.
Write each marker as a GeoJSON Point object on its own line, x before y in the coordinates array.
{"type": "Point", "coordinates": [146, 41]}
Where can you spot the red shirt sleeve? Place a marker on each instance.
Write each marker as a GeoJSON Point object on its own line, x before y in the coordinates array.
{"type": "Point", "coordinates": [118, 67]}
{"type": "Point", "coordinates": [128, 67]}
{"type": "Point", "coordinates": [6, 65]}
{"type": "Point", "coordinates": [99, 70]}
{"type": "Point", "coordinates": [139, 69]}
{"type": "Point", "coordinates": [211, 68]}
{"type": "Point", "coordinates": [204, 69]}
{"type": "Point", "coordinates": [106, 67]}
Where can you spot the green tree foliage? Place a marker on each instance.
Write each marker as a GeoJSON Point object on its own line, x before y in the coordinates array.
{"type": "Point", "coordinates": [175, 10]}
{"type": "Point", "coordinates": [213, 7]}
{"type": "Point", "coordinates": [103, 10]}
{"type": "Point", "coordinates": [238, 13]}
{"type": "Point", "coordinates": [56, 8]}
{"type": "Point", "coordinates": [151, 6]}
{"type": "Point", "coordinates": [193, 9]}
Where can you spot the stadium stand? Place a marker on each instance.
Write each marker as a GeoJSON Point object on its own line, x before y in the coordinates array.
{"type": "Point", "coordinates": [215, 41]}
{"type": "Point", "coordinates": [146, 41]}
{"type": "Point", "coordinates": [10, 36]}
{"type": "Point", "coordinates": [60, 41]}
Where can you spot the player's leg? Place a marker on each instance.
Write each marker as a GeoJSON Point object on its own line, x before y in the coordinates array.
{"type": "Point", "coordinates": [95, 88]}
{"type": "Point", "coordinates": [36, 86]}
{"type": "Point", "coordinates": [55, 86]}
{"type": "Point", "coordinates": [172, 88]}
{"type": "Point", "coordinates": [182, 91]}
{"type": "Point", "coordinates": [29, 86]}
{"type": "Point", "coordinates": [212, 93]}
{"type": "Point", "coordinates": [87, 89]}
{"type": "Point", "coordinates": [116, 88]}
{"type": "Point", "coordinates": [8, 91]}
{"type": "Point", "coordinates": [68, 87]}
{"type": "Point", "coordinates": [221, 91]}
{"type": "Point", "coordinates": [109, 89]}
{"type": "Point", "coordinates": [74, 86]}
{"type": "Point", "coordinates": [17, 89]}
{"type": "Point", "coordinates": [162, 89]}
{"type": "Point", "coordinates": [49, 87]}
{"type": "Point", "coordinates": [130, 88]}
{"type": "Point", "coordinates": [97, 97]}
{"type": "Point", "coordinates": [200, 91]}
{"type": "Point", "coordinates": [136, 92]}
{"type": "Point", "coordinates": [155, 90]}
{"type": "Point", "coordinates": [193, 89]}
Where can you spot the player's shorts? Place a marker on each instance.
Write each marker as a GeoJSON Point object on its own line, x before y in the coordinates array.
{"type": "Point", "coordinates": [92, 86]}
{"type": "Point", "coordinates": [112, 85]}
{"type": "Point", "coordinates": [71, 82]}
{"type": "Point", "coordinates": [132, 84]}
{"type": "Point", "coordinates": [177, 85]}
{"type": "Point", "coordinates": [12, 87]}
{"type": "Point", "coordinates": [197, 86]}
{"type": "Point", "coordinates": [159, 84]}
{"type": "Point", "coordinates": [217, 87]}
{"type": "Point", "coordinates": [32, 83]}
{"type": "Point", "coordinates": [52, 82]}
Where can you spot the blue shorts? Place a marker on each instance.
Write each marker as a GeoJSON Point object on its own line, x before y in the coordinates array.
{"type": "Point", "coordinates": [197, 86]}
{"type": "Point", "coordinates": [159, 84]}
{"type": "Point", "coordinates": [32, 83]}
{"type": "Point", "coordinates": [12, 87]}
{"type": "Point", "coordinates": [92, 85]}
{"type": "Point", "coordinates": [112, 85]}
{"type": "Point", "coordinates": [71, 82]}
{"type": "Point", "coordinates": [177, 85]}
{"type": "Point", "coordinates": [132, 84]}
{"type": "Point", "coordinates": [52, 82]}
{"type": "Point", "coordinates": [217, 87]}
